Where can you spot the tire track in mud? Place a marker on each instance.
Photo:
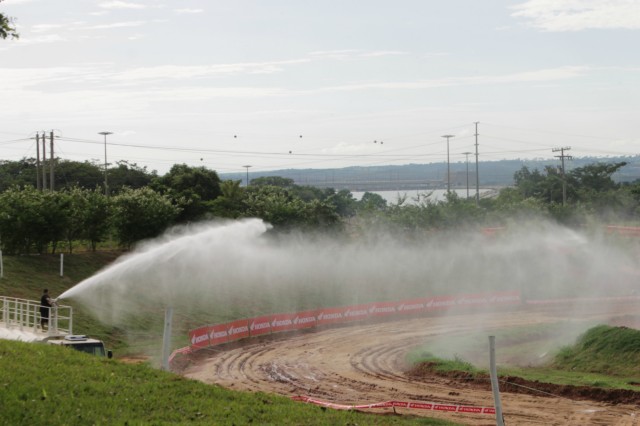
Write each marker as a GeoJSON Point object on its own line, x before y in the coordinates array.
{"type": "Point", "coordinates": [365, 363]}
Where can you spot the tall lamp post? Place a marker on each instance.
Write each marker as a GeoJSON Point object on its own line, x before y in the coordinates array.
{"type": "Point", "coordinates": [467, 157]}
{"type": "Point", "coordinates": [448, 164]}
{"type": "Point", "coordinates": [247, 167]}
{"type": "Point", "coordinates": [106, 185]}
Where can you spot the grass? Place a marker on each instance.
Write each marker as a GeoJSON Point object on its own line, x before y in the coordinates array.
{"type": "Point", "coordinates": [44, 385]}
{"type": "Point", "coordinates": [603, 356]}
{"type": "Point", "coordinates": [26, 276]}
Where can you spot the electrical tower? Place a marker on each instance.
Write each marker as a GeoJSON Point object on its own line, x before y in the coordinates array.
{"type": "Point", "coordinates": [562, 157]}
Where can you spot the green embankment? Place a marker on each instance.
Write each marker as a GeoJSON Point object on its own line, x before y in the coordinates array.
{"type": "Point", "coordinates": [43, 385]}
{"type": "Point", "coordinates": [50, 385]}
{"type": "Point", "coordinates": [603, 356]}
{"type": "Point", "coordinates": [26, 276]}
{"type": "Point", "coordinates": [603, 349]}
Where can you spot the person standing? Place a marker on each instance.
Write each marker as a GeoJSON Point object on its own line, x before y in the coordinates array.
{"type": "Point", "coordinates": [45, 308]}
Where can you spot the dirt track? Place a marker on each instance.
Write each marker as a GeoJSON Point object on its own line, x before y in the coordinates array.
{"type": "Point", "coordinates": [365, 364]}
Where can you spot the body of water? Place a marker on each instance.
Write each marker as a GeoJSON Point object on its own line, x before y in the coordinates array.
{"type": "Point", "coordinates": [412, 196]}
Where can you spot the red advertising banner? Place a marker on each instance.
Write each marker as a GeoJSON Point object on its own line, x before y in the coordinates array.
{"type": "Point", "coordinates": [218, 334]}
{"type": "Point", "coordinates": [440, 302]}
{"type": "Point", "coordinates": [356, 312]}
{"type": "Point", "coordinates": [330, 316]}
{"type": "Point", "coordinates": [505, 297]}
{"type": "Point", "coordinates": [199, 337]}
{"type": "Point", "coordinates": [260, 325]}
{"type": "Point", "coordinates": [305, 319]}
{"type": "Point", "coordinates": [237, 329]}
{"type": "Point", "coordinates": [282, 322]}
{"type": "Point", "coordinates": [412, 306]}
{"type": "Point", "coordinates": [383, 309]}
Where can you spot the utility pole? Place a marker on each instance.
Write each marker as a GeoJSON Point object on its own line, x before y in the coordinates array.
{"type": "Point", "coordinates": [51, 166]}
{"type": "Point", "coordinates": [477, 173]}
{"type": "Point", "coordinates": [38, 181]}
{"type": "Point", "coordinates": [106, 185]}
{"type": "Point", "coordinates": [467, 160]}
{"type": "Point", "coordinates": [247, 167]}
{"type": "Point", "coordinates": [44, 161]}
{"type": "Point", "coordinates": [564, 180]}
{"type": "Point", "coordinates": [448, 164]}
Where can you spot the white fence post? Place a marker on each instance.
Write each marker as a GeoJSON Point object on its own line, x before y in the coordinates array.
{"type": "Point", "coordinates": [166, 338]}
{"type": "Point", "coordinates": [494, 381]}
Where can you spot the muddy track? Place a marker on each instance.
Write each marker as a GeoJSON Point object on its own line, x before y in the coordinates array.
{"type": "Point", "coordinates": [365, 364]}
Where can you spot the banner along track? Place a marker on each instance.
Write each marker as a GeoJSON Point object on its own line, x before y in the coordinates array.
{"type": "Point", "coordinates": [364, 363]}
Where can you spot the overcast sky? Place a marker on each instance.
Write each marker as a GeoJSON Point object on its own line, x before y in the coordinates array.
{"type": "Point", "coordinates": [320, 84]}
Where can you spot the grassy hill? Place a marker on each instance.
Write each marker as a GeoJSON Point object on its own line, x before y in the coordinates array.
{"type": "Point", "coordinates": [26, 276]}
{"type": "Point", "coordinates": [50, 385]}
{"type": "Point", "coordinates": [44, 385]}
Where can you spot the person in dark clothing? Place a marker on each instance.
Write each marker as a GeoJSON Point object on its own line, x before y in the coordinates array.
{"type": "Point", "coordinates": [45, 307]}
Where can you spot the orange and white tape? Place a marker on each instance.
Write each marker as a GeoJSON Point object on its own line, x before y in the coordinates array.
{"type": "Point", "coordinates": [453, 408]}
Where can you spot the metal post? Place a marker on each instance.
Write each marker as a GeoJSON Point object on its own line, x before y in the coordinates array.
{"type": "Point", "coordinates": [51, 166]}
{"type": "Point", "coordinates": [494, 381]}
{"type": "Point", "coordinates": [44, 161]}
{"type": "Point", "coordinates": [448, 164]}
{"type": "Point", "coordinates": [467, 157]}
{"type": "Point", "coordinates": [38, 180]}
{"type": "Point", "coordinates": [166, 339]}
{"type": "Point", "coordinates": [477, 173]}
{"type": "Point", "coordinates": [247, 174]}
{"type": "Point", "coordinates": [106, 185]}
{"type": "Point", "coordinates": [62, 264]}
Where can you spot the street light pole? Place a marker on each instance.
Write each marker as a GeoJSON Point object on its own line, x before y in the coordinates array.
{"type": "Point", "coordinates": [106, 185]}
{"type": "Point", "coordinates": [448, 164]}
{"type": "Point", "coordinates": [467, 157]}
{"type": "Point", "coordinates": [247, 167]}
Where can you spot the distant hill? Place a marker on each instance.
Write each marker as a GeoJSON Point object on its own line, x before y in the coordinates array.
{"type": "Point", "coordinates": [431, 176]}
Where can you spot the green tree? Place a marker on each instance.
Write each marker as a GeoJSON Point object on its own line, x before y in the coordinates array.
{"type": "Point", "coordinates": [191, 188]}
{"type": "Point", "coordinates": [17, 173]}
{"type": "Point", "coordinates": [141, 214]}
{"type": "Point", "coordinates": [343, 201]}
{"type": "Point", "coordinates": [371, 201]}
{"type": "Point", "coordinates": [231, 203]}
{"type": "Point", "coordinates": [98, 213]}
{"type": "Point", "coordinates": [72, 174]}
{"type": "Point", "coordinates": [273, 181]}
{"type": "Point", "coordinates": [23, 221]}
{"type": "Point", "coordinates": [7, 28]}
{"type": "Point", "coordinates": [128, 175]}
{"type": "Point", "coordinates": [89, 214]}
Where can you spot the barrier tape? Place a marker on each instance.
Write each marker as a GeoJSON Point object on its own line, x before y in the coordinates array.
{"type": "Point", "coordinates": [452, 408]}
{"type": "Point", "coordinates": [582, 300]}
{"type": "Point", "coordinates": [185, 350]}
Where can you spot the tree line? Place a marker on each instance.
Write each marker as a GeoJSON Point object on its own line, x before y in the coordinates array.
{"type": "Point", "coordinates": [141, 204]}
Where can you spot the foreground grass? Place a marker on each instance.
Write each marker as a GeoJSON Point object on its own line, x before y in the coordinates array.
{"type": "Point", "coordinates": [48, 385]}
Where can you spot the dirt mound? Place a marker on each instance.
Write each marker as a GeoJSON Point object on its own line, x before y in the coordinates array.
{"type": "Point", "coordinates": [427, 370]}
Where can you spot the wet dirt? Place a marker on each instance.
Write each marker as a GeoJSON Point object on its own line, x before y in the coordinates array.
{"type": "Point", "coordinates": [365, 363]}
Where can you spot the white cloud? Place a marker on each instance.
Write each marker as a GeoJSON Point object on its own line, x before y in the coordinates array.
{"type": "Point", "coordinates": [116, 4]}
{"type": "Point", "coordinates": [577, 15]}
{"type": "Point", "coordinates": [116, 25]}
{"type": "Point", "coordinates": [188, 11]}
{"type": "Point", "coordinates": [543, 75]}
{"type": "Point", "coordinates": [382, 53]}
{"type": "Point", "coordinates": [178, 72]}
{"type": "Point", "coordinates": [41, 28]}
